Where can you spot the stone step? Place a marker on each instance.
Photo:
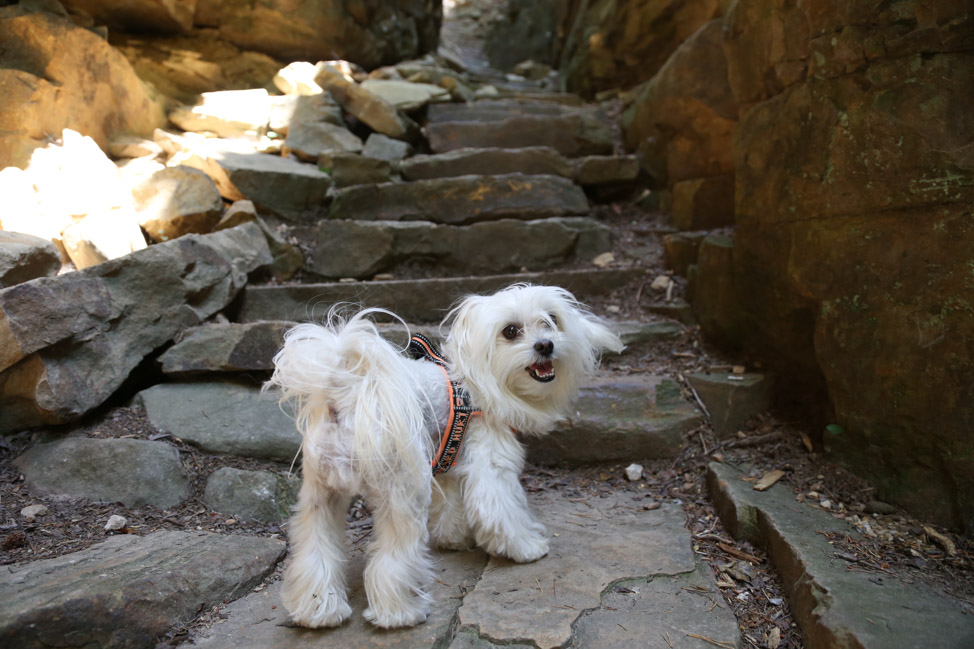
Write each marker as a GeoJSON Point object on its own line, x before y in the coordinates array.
{"type": "Point", "coordinates": [835, 606]}
{"type": "Point", "coordinates": [588, 170]}
{"type": "Point", "coordinates": [415, 300]}
{"type": "Point", "coordinates": [508, 124]}
{"type": "Point", "coordinates": [462, 200]}
{"type": "Point", "coordinates": [250, 346]}
{"type": "Point", "coordinates": [130, 590]}
{"type": "Point", "coordinates": [505, 246]}
{"type": "Point", "coordinates": [573, 592]}
{"type": "Point", "coordinates": [617, 419]}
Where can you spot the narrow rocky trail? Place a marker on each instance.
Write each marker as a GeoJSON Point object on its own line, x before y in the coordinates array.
{"type": "Point", "coordinates": [657, 537]}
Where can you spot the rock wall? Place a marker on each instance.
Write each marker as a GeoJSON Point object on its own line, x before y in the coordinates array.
{"type": "Point", "coordinates": [56, 75]}
{"type": "Point", "coordinates": [621, 43]}
{"type": "Point", "coordinates": [855, 233]}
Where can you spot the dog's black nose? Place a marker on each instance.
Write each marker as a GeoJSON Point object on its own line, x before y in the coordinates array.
{"type": "Point", "coordinates": [544, 347]}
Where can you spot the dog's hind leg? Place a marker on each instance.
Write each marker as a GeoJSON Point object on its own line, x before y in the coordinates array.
{"type": "Point", "coordinates": [399, 567]}
{"type": "Point", "coordinates": [314, 582]}
{"type": "Point", "coordinates": [448, 525]}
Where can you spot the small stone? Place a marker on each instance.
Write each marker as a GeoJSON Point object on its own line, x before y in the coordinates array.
{"type": "Point", "coordinates": [604, 260]}
{"type": "Point", "coordinates": [32, 512]}
{"type": "Point", "coordinates": [825, 504]}
{"type": "Point", "coordinates": [634, 472]}
{"type": "Point", "coordinates": [651, 506]}
{"type": "Point", "coordinates": [661, 283]}
{"type": "Point", "coordinates": [115, 522]}
{"type": "Point", "coordinates": [612, 308]}
{"type": "Point", "coordinates": [812, 495]}
{"type": "Point", "coordinates": [738, 369]}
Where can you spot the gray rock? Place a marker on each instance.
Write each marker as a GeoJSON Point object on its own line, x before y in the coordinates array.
{"type": "Point", "coordinates": [225, 348]}
{"type": "Point", "coordinates": [24, 257]}
{"type": "Point", "coordinates": [228, 113]}
{"type": "Point", "coordinates": [131, 146]}
{"type": "Point", "coordinates": [380, 115]}
{"type": "Point", "coordinates": [348, 169]}
{"type": "Point", "coordinates": [129, 591]}
{"type": "Point", "coordinates": [620, 418]}
{"type": "Point", "coordinates": [383, 147]}
{"type": "Point", "coordinates": [61, 356]}
{"type": "Point", "coordinates": [361, 248]}
{"type": "Point", "coordinates": [833, 605]}
{"type": "Point", "coordinates": [462, 162]}
{"type": "Point", "coordinates": [606, 169]}
{"type": "Point", "coordinates": [260, 622]}
{"type": "Point", "coordinates": [291, 190]}
{"type": "Point", "coordinates": [420, 300]}
{"type": "Point", "coordinates": [462, 200]}
{"type": "Point", "coordinates": [286, 110]}
{"type": "Point", "coordinates": [593, 546]}
{"type": "Point", "coordinates": [251, 495]}
{"type": "Point", "coordinates": [176, 201]}
{"type": "Point", "coordinates": [287, 257]}
{"type": "Point", "coordinates": [310, 140]}
{"type": "Point", "coordinates": [731, 399]}
{"type": "Point", "coordinates": [405, 95]}
{"type": "Point", "coordinates": [636, 333]}
{"type": "Point", "coordinates": [131, 471]}
{"type": "Point", "coordinates": [223, 417]}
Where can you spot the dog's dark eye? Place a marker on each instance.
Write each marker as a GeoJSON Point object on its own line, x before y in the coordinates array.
{"type": "Point", "coordinates": [510, 332]}
{"type": "Point", "coordinates": [553, 318]}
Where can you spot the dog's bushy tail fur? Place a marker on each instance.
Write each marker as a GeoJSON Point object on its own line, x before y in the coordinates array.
{"type": "Point", "coordinates": [342, 376]}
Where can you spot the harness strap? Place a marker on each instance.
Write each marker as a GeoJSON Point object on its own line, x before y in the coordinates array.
{"type": "Point", "coordinates": [461, 409]}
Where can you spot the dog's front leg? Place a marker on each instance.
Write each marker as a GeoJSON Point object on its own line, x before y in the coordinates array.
{"type": "Point", "coordinates": [314, 582]}
{"type": "Point", "coordinates": [448, 524]}
{"type": "Point", "coordinates": [494, 500]}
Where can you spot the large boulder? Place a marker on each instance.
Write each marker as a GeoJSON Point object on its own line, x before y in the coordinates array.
{"type": "Point", "coordinates": [683, 119]}
{"type": "Point", "coordinates": [854, 238]}
{"type": "Point", "coordinates": [367, 33]}
{"type": "Point", "coordinates": [164, 16]}
{"type": "Point", "coordinates": [68, 342]}
{"type": "Point", "coordinates": [620, 43]}
{"type": "Point", "coordinates": [56, 75]}
{"type": "Point", "coordinates": [24, 257]}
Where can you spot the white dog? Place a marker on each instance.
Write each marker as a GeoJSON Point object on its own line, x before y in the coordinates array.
{"type": "Point", "coordinates": [388, 427]}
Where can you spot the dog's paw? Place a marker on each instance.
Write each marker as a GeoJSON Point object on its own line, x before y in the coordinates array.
{"type": "Point", "coordinates": [317, 613]}
{"type": "Point", "coordinates": [398, 618]}
{"type": "Point", "coordinates": [529, 548]}
{"type": "Point", "coordinates": [462, 541]}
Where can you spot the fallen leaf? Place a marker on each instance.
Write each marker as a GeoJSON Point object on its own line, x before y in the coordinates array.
{"type": "Point", "coordinates": [768, 480]}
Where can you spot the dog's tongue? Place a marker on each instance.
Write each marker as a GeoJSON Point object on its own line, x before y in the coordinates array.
{"type": "Point", "coordinates": [542, 371]}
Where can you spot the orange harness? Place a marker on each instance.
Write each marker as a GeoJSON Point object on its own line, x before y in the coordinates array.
{"type": "Point", "coordinates": [461, 409]}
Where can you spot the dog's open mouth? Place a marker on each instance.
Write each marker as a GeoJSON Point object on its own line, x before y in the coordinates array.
{"type": "Point", "coordinates": [543, 371]}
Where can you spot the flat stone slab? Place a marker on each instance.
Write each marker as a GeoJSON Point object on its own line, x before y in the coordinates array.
{"type": "Point", "coordinates": [223, 417]}
{"type": "Point", "coordinates": [595, 545]}
{"type": "Point", "coordinates": [260, 621]}
{"type": "Point", "coordinates": [421, 300]}
{"type": "Point", "coordinates": [127, 592]}
{"type": "Point", "coordinates": [249, 346]}
{"type": "Point", "coordinates": [131, 471]}
{"type": "Point", "coordinates": [834, 606]}
{"type": "Point", "coordinates": [620, 418]}
{"type": "Point", "coordinates": [360, 249]}
{"type": "Point", "coordinates": [462, 200]}
{"type": "Point", "coordinates": [463, 162]}
{"type": "Point", "coordinates": [513, 124]}
{"type": "Point", "coordinates": [669, 609]}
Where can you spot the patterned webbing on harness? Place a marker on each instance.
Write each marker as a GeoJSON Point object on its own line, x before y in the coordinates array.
{"type": "Point", "coordinates": [460, 409]}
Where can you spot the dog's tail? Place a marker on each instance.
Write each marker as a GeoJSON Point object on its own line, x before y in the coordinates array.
{"type": "Point", "coordinates": [343, 376]}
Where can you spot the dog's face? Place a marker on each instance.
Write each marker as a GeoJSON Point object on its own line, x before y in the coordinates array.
{"type": "Point", "coordinates": [527, 349]}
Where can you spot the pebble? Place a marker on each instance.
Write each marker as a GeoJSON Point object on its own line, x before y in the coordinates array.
{"type": "Point", "coordinates": [603, 260]}
{"type": "Point", "coordinates": [825, 504]}
{"type": "Point", "coordinates": [634, 472]}
{"type": "Point", "coordinates": [115, 522]}
{"type": "Point", "coordinates": [32, 512]}
{"type": "Point", "coordinates": [661, 283]}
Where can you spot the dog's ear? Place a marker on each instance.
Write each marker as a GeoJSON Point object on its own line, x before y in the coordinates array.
{"type": "Point", "coordinates": [599, 335]}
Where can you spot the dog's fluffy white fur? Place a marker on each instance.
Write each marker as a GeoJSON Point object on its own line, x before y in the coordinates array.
{"type": "Point", "coordinates": [371, 419]}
